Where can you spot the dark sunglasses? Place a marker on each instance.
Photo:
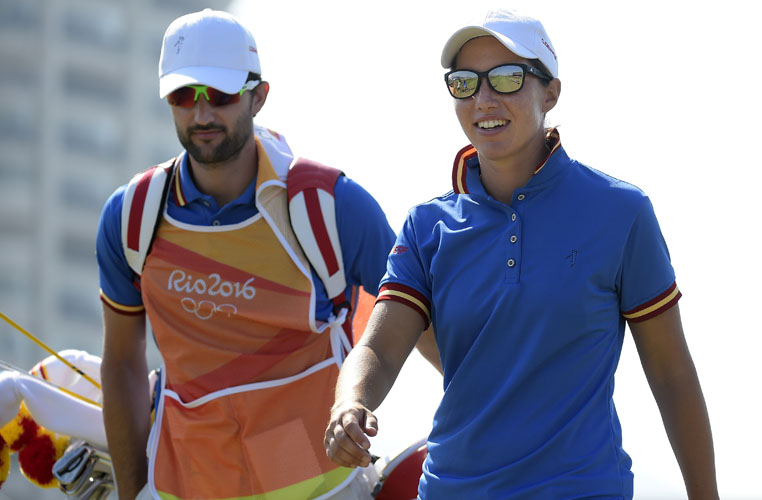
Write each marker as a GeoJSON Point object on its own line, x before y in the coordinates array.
{"type": "Point", "coordinates": [503, 79]}
{"type": "Point", "coordinates": [186, 97]}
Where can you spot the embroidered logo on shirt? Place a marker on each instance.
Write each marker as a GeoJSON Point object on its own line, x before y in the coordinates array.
{"type": "Point", "coordinates": [399, 249]}
{"type": "Point", "coordinates": [572, 258]}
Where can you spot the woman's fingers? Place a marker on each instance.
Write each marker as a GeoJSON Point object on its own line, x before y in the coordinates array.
{"type": "Point", "coordinates": [346, 442]}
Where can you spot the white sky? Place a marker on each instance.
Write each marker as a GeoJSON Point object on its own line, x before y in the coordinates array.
{"type": "Point", "coordinates": [663, 94]}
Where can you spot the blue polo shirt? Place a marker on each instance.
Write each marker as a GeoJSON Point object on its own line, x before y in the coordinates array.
{"type": "Point", "coordinates": [529, 302]}
{"type": "Point", "coordinates": [363, 230]}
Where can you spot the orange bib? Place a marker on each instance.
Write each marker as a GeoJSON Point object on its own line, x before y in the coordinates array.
{"type": "Point", "coordinates": [248, 374]}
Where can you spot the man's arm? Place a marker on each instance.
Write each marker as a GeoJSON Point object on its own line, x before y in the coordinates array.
{"type": "Point", "coordinates": [672, 376]}
{"type": "Point", "coordinates": [126, 399]}
{"type": "Point", "coordinates": [365, 379]}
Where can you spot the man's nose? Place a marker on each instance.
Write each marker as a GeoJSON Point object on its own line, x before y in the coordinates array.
{"type": "Point", "coordinates": [203, 111]}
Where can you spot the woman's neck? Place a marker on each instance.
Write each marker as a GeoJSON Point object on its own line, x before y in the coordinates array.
{"type": "Point", "coordinates": [502, 176]}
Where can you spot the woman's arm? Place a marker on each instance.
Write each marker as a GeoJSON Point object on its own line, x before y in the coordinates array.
{"type": "Point", "coordinates": [365, 379]}
{"type": "Point", "coordinates": [427, 346]}
{"type": "Point", "coordinates": [674, 383]}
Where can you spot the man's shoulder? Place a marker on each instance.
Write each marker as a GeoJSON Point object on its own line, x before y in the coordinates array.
{"type": "Point", "coordinates": [113, 206]}
{"type": "Point", "coordinates": [112, 209]}
{"type": "Point", "coordinates": [167, 164]}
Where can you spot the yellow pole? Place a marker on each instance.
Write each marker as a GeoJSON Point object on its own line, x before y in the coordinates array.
{"type": "Point", "coordinates": [75, 395]}
{"type": "Point", "coordinates": [10, 367]}
{"type": "Point", "coordinates": [49, 350]}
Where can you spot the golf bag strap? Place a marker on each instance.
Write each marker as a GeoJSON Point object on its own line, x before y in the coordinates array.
{"type": "Point", "coordinates": [142, 205]}
{"type": "Point", "coordinates": [312, 211]}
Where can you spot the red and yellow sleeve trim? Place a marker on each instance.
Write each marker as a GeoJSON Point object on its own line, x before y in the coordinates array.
{"type": "Point", "coordinates": [408, 296]}
{"type": "Point", "coordinates": [121, 309]}
{"type": "Point", "coordinates": [655, 306]}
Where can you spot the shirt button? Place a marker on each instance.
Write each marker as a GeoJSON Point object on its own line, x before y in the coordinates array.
{"type": "Point", "coordinates": [514, 239]}
{"type": "Point", "coordinates": [511, 262]}
{"type": "Point", "coordinates": [513, 217]}
{"type": "Point", "coordinates": [521, 197]}
{"type": "Point", "coordinates": [216, 223]}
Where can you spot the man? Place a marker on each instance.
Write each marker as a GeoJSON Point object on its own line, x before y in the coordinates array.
{"type": "Point", "coordinates": [250, 340]}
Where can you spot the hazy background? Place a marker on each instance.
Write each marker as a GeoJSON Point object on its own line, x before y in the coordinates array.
{"type": "Point", "coordinates": [661, 94]}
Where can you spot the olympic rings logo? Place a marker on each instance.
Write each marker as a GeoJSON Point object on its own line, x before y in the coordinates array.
{"type": "Point", "coordinates": [205, 309]}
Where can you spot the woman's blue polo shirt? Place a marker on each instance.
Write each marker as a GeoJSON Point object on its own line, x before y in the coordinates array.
{"type": "Point", "coordinates": [529, 302]}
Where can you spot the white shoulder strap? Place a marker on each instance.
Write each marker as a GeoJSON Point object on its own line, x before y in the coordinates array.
{"type": "Point", "coordinates": [141, 208]}
{"type": "Point", "coordinates": [277, 149]}
{"type": "Point", "coordinates": [312, 209]}
{"type": "Point", "coordinates": [145, 195]}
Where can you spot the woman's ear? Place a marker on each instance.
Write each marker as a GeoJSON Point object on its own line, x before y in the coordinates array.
{"type": "Point", "coordinates": [552, 92]}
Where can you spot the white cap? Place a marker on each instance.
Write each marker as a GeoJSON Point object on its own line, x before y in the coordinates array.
{"type": "Point", "coordinates": [210, 47]}
{"type": "Point", "coordinates": [522, 35]}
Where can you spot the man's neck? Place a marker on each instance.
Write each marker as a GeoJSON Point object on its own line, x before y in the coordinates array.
{"type": "Point", "coordinates": [226, 181]}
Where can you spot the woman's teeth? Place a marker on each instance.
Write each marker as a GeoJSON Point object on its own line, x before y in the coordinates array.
{"type": "Point", "coordinates": [491, 123]}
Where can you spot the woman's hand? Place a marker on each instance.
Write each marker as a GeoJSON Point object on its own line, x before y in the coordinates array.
{"type": "Point", "coordinates": [346, 437]}
{"type": "Point", "coordinates": [365, 379]}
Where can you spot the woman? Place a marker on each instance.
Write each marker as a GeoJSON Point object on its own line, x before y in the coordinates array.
{"type": "Point", "coordinates": [528, 271]}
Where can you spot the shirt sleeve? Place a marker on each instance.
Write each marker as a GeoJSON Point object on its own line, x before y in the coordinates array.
{"type": "Point", "coordinates": [406, 281]}
{"type": "Point", "coordinates": [365, 235]}
{"type": "Point", "coordinates": [117, 280]}
{"type": "Point", "coordinates": [647, 284]}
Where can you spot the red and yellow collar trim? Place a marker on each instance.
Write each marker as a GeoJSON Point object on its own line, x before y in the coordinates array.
{"type": "Point", "coordinates": [177, 188]}
{"type": "Point", "coordinates": [460, 165]}
{"type": "Point", "coordinates": [552, 142]}
{"type": "Point", "coordinates": [460, 168]}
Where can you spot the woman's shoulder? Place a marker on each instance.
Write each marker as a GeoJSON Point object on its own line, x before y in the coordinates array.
{"type": "Point", "coordinates": [596, 182]}
{"type": "Point", "coordinates": [434, 207]}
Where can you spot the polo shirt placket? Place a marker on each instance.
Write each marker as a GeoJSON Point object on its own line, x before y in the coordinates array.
{"type": "Point", "coordinates": [514, 243]}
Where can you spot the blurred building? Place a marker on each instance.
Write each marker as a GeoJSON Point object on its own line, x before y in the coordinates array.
{"type": "Point", "coordinates": [79, 114]}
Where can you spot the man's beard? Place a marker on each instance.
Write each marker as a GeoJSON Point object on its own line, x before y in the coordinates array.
{"type": "Point", "coordinates": [228, 149]}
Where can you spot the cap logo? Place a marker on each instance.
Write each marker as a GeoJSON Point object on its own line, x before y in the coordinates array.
{"type": "Point", "coordinates": [547, 46]}
{"type": "Point", "coordinates": [179, 44]}
{"type": "Point", "coordinates": [252, 49]}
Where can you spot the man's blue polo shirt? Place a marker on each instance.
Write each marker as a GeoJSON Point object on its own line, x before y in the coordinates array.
{"type": "Point", "coordinates": [364, 233]}
{"type": "Point", "coordinates": [528, 302]}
